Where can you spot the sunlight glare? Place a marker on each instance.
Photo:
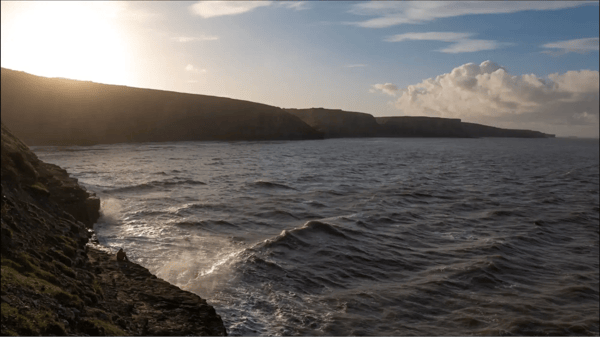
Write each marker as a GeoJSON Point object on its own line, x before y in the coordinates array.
{"type": "Point", "coordinates": [67, 39]}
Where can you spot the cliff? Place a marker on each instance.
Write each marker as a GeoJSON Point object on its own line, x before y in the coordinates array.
{"type": "Point", "coordinates": [53, 283]}
{"type": "Point", "coordinates": [421, 127]}
{"type": "Point", "coordinates": [478, 130]}
{"type": "Point", "coordinates": [54, 111]}
{"type": "Point", "coordinates": [338, 123]}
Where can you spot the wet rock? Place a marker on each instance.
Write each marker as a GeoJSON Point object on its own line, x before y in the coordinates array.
{"type": "Point", "coordinates": [54, 284]}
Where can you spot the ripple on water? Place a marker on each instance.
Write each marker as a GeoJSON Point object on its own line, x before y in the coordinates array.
{"type": "Point", "coordinates": [361, 237]}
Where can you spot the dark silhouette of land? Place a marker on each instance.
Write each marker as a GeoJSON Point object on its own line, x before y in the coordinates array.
{"type": "Point", "coordinates": [338, 123]}
{"type": "Point", "coordinates": [56, 111]}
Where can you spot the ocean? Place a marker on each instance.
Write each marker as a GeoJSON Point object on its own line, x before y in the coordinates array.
{"type": "Point", "coordinates": [372, 236]}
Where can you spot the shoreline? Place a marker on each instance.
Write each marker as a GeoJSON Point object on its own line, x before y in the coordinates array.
{"type": "Point", "coordinates": [54, 283]}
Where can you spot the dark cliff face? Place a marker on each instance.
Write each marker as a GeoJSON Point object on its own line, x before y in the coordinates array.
{"type": "Point", "coordinates": [23, 171]}
{"type": "Point", "coordinates": [54, 284]}
{"type": "Point", "coordinates": [478, 130]}
{"type": "Point", "coordinates": [420, 127]}
{"type": "Point", "coordinates": [53, 111]}
{"type": "Point", "coordinates": [338, 123]}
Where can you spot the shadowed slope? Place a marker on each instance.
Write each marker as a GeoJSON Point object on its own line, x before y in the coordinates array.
{"type": "Point", "coordinates": [339, 123]}
{"type": "Point", "coordinates": [54, 111]}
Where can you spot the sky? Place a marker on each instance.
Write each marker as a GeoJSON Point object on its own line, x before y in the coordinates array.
{"type": "Point", "coordinates": [513, 64]}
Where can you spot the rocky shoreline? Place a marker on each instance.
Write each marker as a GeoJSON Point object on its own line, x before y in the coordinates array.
{"type": "Point", "coordinates": [55, 283]}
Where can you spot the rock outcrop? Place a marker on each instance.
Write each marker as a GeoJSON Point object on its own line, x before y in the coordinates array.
{"type": "Point", "coordinates": [55, 111]}
{"type": "Point", "coordinates": [53, 283]}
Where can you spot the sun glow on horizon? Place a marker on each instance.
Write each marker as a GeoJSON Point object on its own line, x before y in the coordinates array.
{"type": "Point", "coordinates": [66, 39]}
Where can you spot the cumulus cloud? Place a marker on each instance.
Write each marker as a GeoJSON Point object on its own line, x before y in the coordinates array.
{"type": "Point", "coordinates": [488, 92]}
{"type": "Point", "coordinates": [193, 69]}
{"type": "Point", "coordinates": [581, 46]}
{"type": "Point", "coordinates": [462, 41]}
{"type": "Point", "coordinates": [184, 39]}
{"type": "Point", "coordinates": [391, 13]}
{"type": "Point", "coordinates": [209, 9]}
{"type": "Point", "coordinates": [387, 88]}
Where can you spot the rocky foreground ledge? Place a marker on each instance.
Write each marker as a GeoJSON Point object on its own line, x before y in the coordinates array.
{"type": "Point", "coordinates": [53, 283]}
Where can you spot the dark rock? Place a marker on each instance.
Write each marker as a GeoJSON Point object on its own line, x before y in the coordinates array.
{"type": "Point", "coordinates": [55, 329]}
{"type": "Point", "coordinates": [69, 285]}
{"type": "Point", "coordinates": [91, 329]}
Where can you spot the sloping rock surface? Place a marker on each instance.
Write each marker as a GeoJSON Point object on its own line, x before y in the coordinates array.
{"type": "Point", "coordinates": [53, 283]}
{"type": "Point", "coordinates": [55, 111]}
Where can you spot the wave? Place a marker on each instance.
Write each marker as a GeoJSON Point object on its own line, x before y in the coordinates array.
{"type": "Point", "coordinates": [276, 214]}
{"type": "Point", "coordinates": [157, 184]}
{"type": "Point", "coordinates": [270, 184]}
{"type": "Point", "coordinates": [210, 225]}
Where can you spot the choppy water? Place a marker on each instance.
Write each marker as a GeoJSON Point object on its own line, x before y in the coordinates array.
{"type": "Point", "coordinates": [361, 236]}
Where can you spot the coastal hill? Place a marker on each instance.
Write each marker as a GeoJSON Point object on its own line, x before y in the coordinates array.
{"type": "Point", "coordinates": [339, 123]}
{"type": "Point", "coordinates": [56, 111]}
{"type": "Point", "coordinates": [54, 283]}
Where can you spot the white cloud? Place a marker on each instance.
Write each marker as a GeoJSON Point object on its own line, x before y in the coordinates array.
{"type": "Point", "coordinates": [430, 36]}
{"type": "Point", "coordinates": [184, 39]}
{"type": "Point", "coordinates": [193, 69]}
{"type": "Point", "coordinates": [360, 65]}
{"type": "Point", "coordinates": [486, 92]}
{"type": "Point", "coordinates": [391, 13]}
{"type": "Point", "coordinates": [462, 42]}
{"type": "Point", "coordinates": [469, 46]}
{"type": "Point", "coordinates": [581, 46]}
{"type": "Point", "coordinates": [295, 5]}
{"type": "Point", "coordinates": [209, 9]}
{"type": "Point", "coordinates": [388, 88]}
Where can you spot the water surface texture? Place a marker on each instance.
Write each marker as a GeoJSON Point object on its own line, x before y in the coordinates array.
{"type": "Point", "coordinates": [361, 236]}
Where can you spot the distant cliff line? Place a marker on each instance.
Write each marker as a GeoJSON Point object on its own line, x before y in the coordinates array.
{"type": "Point", "coordinates": [57, 111]}
{"type": "Point", "coordinates": [339, 123]}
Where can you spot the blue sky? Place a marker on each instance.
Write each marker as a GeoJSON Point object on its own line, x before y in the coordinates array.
{"type": "Point", "coordinates": [360, 56]}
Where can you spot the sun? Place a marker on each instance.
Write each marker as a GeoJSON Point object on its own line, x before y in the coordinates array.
{"type": "Point", "coordinates": [78, 40]}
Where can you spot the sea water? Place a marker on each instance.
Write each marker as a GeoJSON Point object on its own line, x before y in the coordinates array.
{"type": "Point", "coordinates": [376, 236]}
